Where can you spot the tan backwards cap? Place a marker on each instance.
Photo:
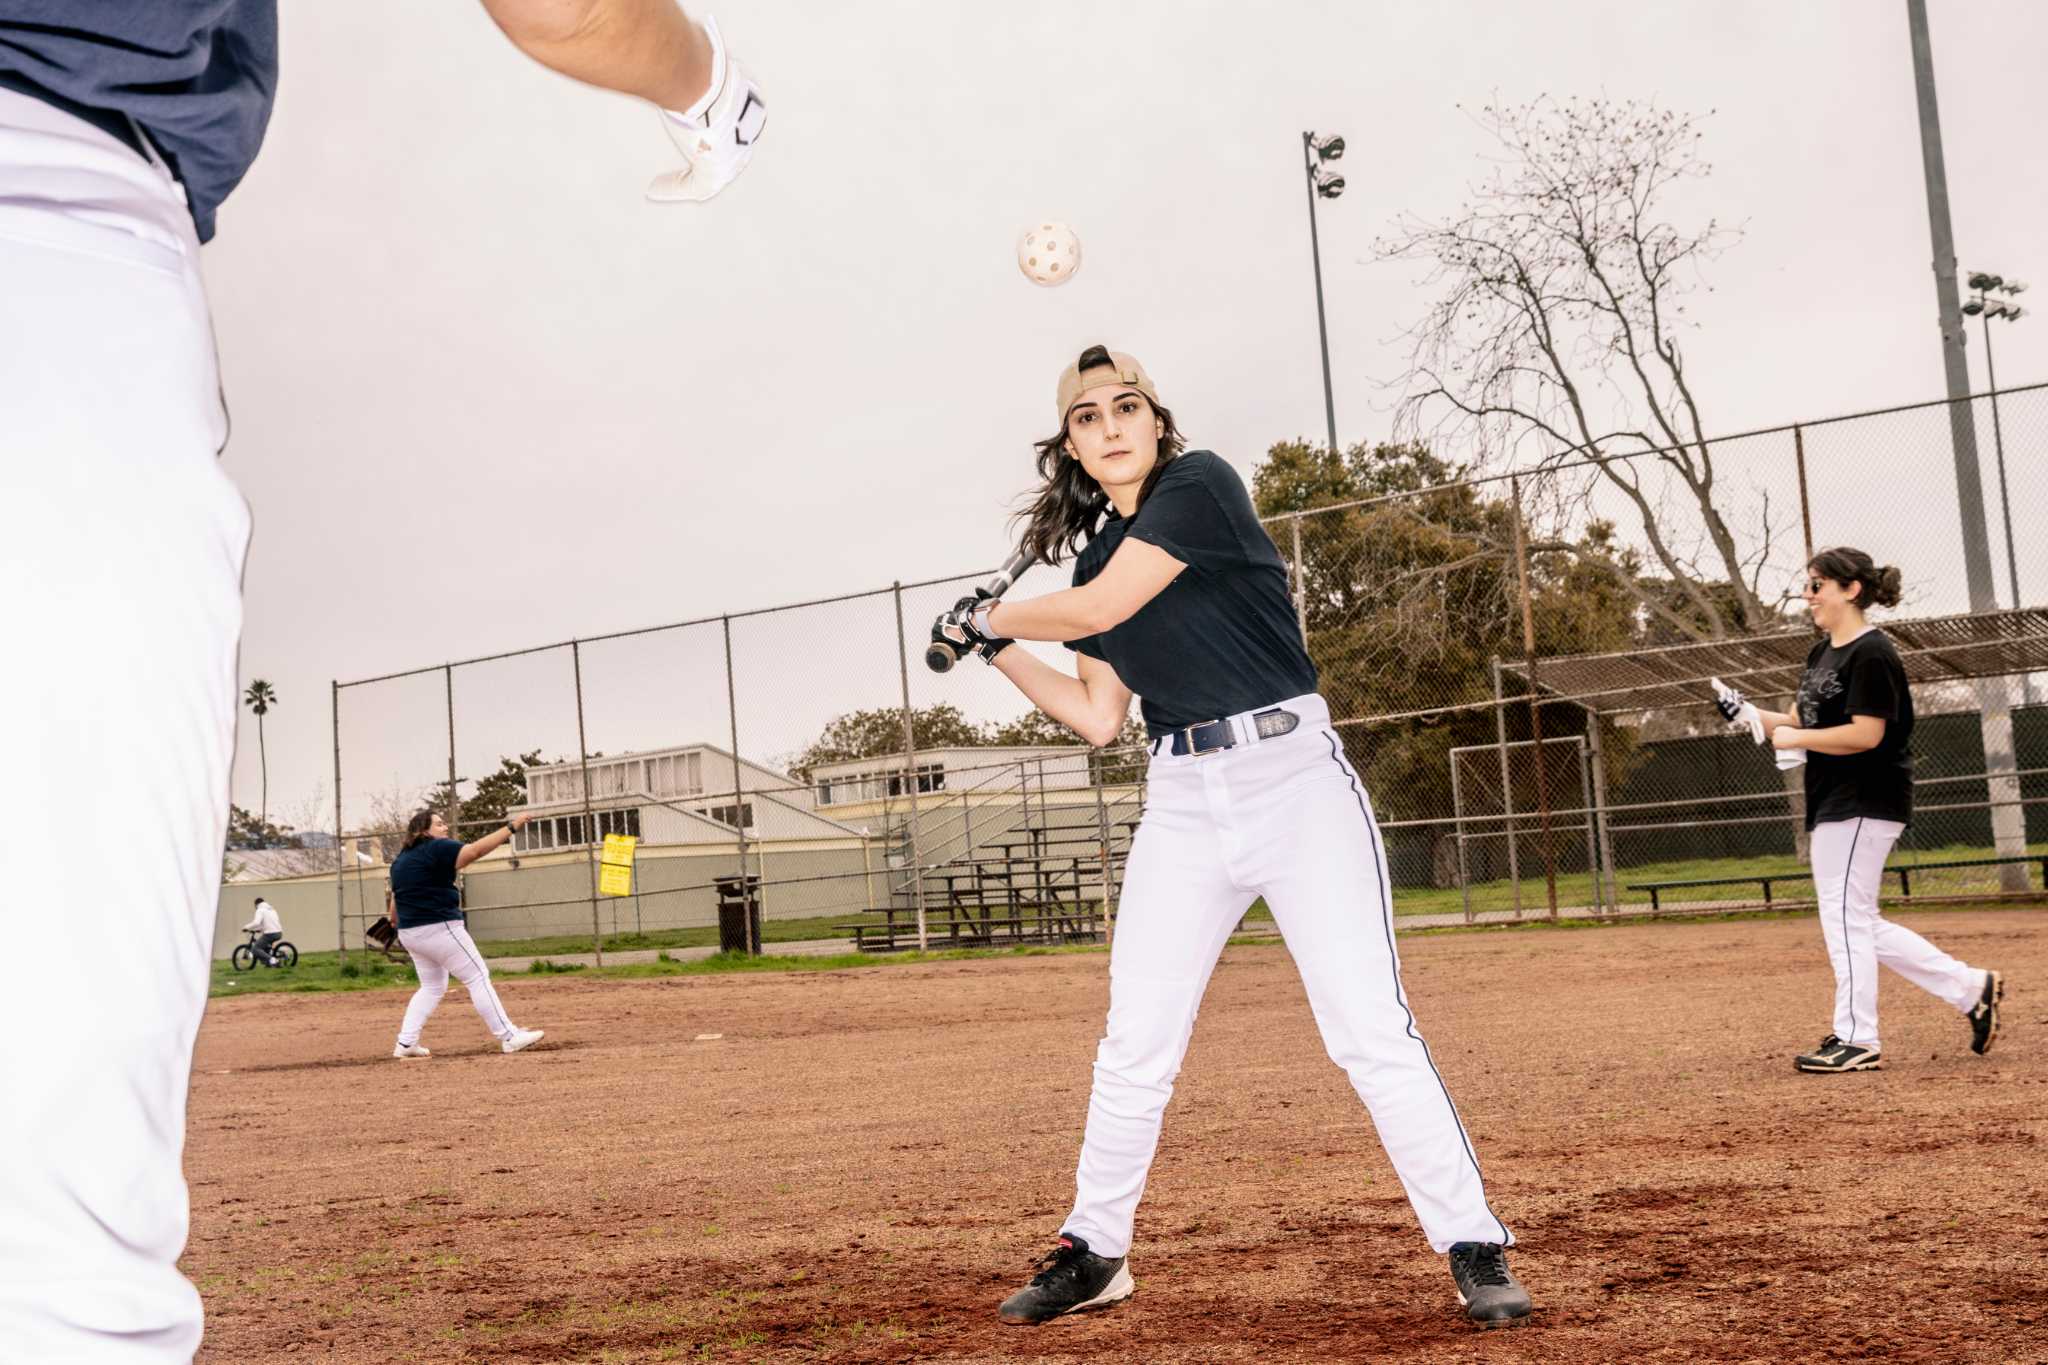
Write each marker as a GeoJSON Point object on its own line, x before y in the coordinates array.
{"type": "Point", "coordinates": [1120, 369]}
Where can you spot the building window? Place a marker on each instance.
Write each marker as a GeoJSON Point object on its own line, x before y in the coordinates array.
{"type": "Point", "coordinates": [931, 777]}
{"type": "Point", "coordinates": [738, 817]}
{"type": "Point", "coordinates": [824, 793]}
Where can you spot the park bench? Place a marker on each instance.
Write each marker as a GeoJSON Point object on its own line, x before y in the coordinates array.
{"type": "Point", "coordinates": [1904, 872]}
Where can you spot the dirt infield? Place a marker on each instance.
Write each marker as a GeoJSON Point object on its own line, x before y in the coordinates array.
{"type": "Point", "coordinates": [867, 1161]}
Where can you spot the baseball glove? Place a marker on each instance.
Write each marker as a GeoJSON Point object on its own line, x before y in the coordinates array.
{"type": "Point", "coordinates": [383, 933]}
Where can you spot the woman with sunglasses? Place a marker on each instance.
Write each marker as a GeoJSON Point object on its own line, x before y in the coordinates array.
{"type": "Point", "coordinates": [1181, 597]}
{"type": "Point", "coordinates": [1854, 718]}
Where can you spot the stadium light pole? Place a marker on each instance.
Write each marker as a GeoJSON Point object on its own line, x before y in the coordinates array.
{"type": "Point", "coordinates": [1994, 709]}
{"type": "Point", "coordinates": [1993, 299]}
{"type": "Point", "coordinates": [1322, 184]}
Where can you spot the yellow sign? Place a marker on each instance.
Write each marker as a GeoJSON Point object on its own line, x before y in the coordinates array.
{"type": "Point", "coordinates": [615, 869]}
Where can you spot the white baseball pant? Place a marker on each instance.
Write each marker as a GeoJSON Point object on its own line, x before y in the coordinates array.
{"type": "Point", "coordinates": [1286, 819]}
{"type": "Point", "coordinates": [121, 550]}
{"type": "Point", "coordinates": [440, 951]}
{"type": "Point", "coordinates": [1848, 866]}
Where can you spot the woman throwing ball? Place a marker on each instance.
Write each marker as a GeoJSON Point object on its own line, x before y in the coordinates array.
{"type": "Point", "coordinates": [426, 907]}
{"type": "Point", "coordinates": [1855, 721]}
{"type": "Point", "coordinates": [1181, 597]}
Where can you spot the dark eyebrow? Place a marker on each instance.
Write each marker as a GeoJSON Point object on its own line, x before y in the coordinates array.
{"type": "Point", "coordinates": [1127, 393]}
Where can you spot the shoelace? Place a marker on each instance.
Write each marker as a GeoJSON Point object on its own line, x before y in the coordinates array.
{"type": "Point", "coordinates": [1060, 1258]}
{"type": "Point", "coordinates": [1486, 1265]}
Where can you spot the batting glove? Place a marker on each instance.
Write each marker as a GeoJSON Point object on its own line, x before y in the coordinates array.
{"type": "Point", "coordinates": [1737, 710]}
{"type": "Point", "coordinates": [965, 628]}
{"type": "Point", "coordinates": [717, 135]}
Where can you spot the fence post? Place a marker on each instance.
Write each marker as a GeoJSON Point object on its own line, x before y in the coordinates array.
{"type": "Point", "coordinates": [1586, 803]}
{"type": "Point", "coordinates": [1101, 771]}
{"type": "Point", "coordinates": [1300, 585]}
{"type": "Point", "coordinates": [1535, 702]}
{"type": "Point", "coordinates": [1507, 785]}
{"type": "Point", "coordinates": [1805, 506]}
{"type": "Point", "coordinates": [340, 847]}
{"type": "Point", "coordinates": [1458, 816]}
{"type": "Point", "coordinates": [739, 801]}
{"type": "Point", "coordinates": [454, 801]}
{"type": "Point", "coordinates": [910, 772]}
{"type": "Point", "coordinates": [583, 763]}
{"type": "Point", "coordinates": [1599, 812]}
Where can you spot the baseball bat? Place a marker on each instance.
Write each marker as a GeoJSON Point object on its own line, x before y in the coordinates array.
{"type": "Point", "coordinates": [939, 656]}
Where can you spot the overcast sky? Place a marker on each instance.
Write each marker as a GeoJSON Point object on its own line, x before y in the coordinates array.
{"type": "Point", "coordinates": [486, 396]}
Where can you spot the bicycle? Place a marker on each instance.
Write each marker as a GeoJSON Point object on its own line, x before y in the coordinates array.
{"type": "Point", "coordinates": [247, 958]}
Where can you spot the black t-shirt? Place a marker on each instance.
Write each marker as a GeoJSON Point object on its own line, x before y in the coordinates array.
{"type": "Point", "coordinates": [1222, 637]}
{"type": "Point", "coordinates": [1861, 678]}
{"type": "Point", "coordinates": [198, 75]}
{"type": "Point", "coordinates": [423, 883]}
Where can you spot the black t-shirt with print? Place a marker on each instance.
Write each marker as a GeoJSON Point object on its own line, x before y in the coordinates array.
{"type": "Point", "coordinates": [1861, 678]}
{"type": "Point", "coordinates": [1222, 637]}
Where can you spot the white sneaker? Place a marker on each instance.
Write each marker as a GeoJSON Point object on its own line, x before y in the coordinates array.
{"type": "Point", "coordinates": [415, 1050]}
{"type": "Point", "coordinates": [522, 1039]}
{"type": "Point", "coordinates": [717, 144]}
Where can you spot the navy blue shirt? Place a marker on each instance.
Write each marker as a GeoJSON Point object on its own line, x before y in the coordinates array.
{"type": "Point", "coordinates": [1865, 677]}
{"type": "Point", "coordinates": [1222, 638]}
{"type": "Point", "coordinates": [423, 883]}
{"type": "Point", "coordinates": [198, 75]}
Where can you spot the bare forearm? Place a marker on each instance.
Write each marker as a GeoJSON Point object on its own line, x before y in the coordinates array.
{"type": "Point", "coordinates": [1062, 696]}
{"type": "Point", "coordinates": [647, 48]}
{"type": "Point", "coordinates": [1070, 614]}
{"type": "Point", "coordinates": [490, 843]}
{"type": "Point", "coordinates": [1836, 739]}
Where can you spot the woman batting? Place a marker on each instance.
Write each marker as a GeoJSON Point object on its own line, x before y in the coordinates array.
{"type": "Point", "coordinates": [1181, 598]}
{"type": "Point", "coordinates": [1854, 718]}
{"type": "Point", "coordinates": [426, 907]}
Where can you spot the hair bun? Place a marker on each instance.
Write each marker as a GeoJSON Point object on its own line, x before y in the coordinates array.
{"type": "Point", "coordinates": [1888, 584]}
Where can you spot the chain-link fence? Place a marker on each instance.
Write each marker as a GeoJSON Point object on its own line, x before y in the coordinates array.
{"type": "Point", "coordinates": [799, 766]}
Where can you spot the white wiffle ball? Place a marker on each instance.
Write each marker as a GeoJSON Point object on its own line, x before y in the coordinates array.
{"type": "Point", "coordinates": [1049, 253]}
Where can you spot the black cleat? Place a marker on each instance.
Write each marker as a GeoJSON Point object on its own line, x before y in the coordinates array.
{"type": "Point", "coordinates": [1835, 1055]}
{"type": "Point", "coordinates": [1073, 1280]}
{"type": "Point", "coordinates": [1984, 1014]}
{"type": "Point", "coordinates": [1492, 1296]}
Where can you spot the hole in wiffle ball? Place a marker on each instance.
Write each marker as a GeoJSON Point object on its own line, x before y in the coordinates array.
{"type": "Point", "coordinates": [1032, 261]}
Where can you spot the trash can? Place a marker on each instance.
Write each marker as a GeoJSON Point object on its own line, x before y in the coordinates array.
{"type": "Point", "coordinates": [739, 913]}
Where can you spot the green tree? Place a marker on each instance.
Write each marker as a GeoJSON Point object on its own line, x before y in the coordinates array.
{"type": "Point", "coordinates": [871, 734]}
{"type": "Point", "coordinates": [1408, 595]}
{"type": "Point", "coordinates": [247, 831]}
{"type": "Point", "coordinates": [260, 697]}
{"type": "Point", "coordinates": [495, 796]}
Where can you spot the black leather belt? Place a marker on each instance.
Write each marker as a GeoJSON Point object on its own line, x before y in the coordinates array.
{"type": "Point", "coordinates": [1214, 736]}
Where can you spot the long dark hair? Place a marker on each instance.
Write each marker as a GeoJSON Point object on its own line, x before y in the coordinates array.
{"type": "Point", "coordinates": [1068, 504]}
{"type": "Point", "coordinates": [1845, 566]}
{"type": "Point", "coordinates": [417, 827]}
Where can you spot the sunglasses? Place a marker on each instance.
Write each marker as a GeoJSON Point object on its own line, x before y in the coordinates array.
{"type": "Point", "coordinates": [1812, 586]}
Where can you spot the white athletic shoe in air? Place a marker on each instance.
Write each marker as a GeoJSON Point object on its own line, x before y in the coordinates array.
{"type": "Point", "coordinates": [522, 1039]}
{"type": "Point", "coordinates": [402, 1051]}
{"type": "Point", "coordinates": [716, 136]}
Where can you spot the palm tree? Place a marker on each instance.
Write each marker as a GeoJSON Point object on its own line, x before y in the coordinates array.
{"type": "Point", "coordinates": [260, 698]}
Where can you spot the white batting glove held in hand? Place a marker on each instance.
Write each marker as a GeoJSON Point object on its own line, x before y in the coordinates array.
{"type": "Point", "coordinates": [1739, 711]}
{"type": "Point", "coordinates": [717, 135]}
